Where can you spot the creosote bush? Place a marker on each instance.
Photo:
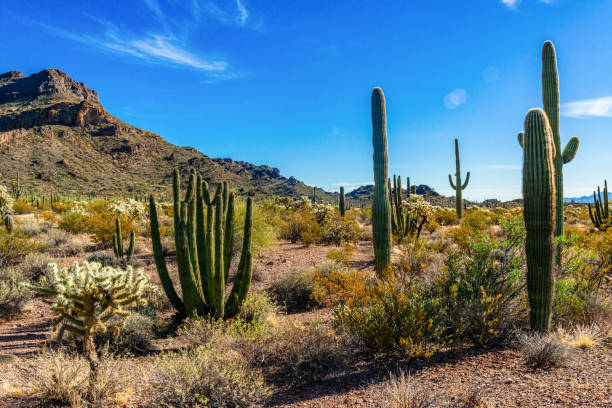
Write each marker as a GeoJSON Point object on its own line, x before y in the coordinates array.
{"type": "Point", "coordinates": [294, 289]}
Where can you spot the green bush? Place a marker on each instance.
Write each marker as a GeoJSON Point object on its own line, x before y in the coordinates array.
{"type": "Point", "coordinates": [14, 247]}
{"type": "Point", "coordinates": [480, 292]}
{"type": "Point", "coordinates": [13, 295]}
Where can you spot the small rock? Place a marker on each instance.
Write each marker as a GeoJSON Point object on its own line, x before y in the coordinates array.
{"type": "Point", "coordinates": [8, 358]}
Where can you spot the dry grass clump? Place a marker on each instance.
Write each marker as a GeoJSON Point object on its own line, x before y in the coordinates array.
{"type": "Point", "coordinates": [403, 391]}
{"type": "Point", "coordinates": [544, 350]}
{"type": "Point", "coordinates": [585, 337]}
{"type": "Point", "coordinates": [34, 266]}
{"type": "Point", "coordinates": [58, 378]}
{"type": "Point", "coordinates": [206, 377]}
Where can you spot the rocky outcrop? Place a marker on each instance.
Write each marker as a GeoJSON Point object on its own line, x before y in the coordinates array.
{"type": "Point", "coordinates": [49, 82]}
{"type": "Point", "coordinates": [65, 113]}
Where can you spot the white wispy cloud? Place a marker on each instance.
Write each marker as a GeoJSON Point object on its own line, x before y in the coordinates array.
{"type": "Point", "coordinates": [455, 98]}
{"type": "Point", "coordinates": [154, 48]}
{"type": "Point", "coordinates": [231, 14]}
{"type": "Point", "coordinates": [588, 107]}
{"type": "Point", "coordinates": [511, 3]}
{"type": "Point", "coordinates": [504, 166]}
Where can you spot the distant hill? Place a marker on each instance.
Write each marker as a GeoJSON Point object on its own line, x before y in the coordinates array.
{"type": "Point", "coordinates": [585, 199]}
{"type": "Point", "coordinates": [55, 134]}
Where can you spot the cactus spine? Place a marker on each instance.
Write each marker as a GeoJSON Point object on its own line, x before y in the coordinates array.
{"type": "Point", "coordinates": [204, 236]}
{"type": "Point", "coordinates": [8, 223]}
{"type": "Point", "coordinates": [457, 186]}
{"type": "Point", "coordinates": [118, 243]}
{"type": "Point", "coordinates": [600, 212]}
{"type": "Point", "coordinates": [341, 202]}
{"type": "Point", "coordinates": [550, 98]}
{"type": "Point", "coordinates": [539, 211]}
{"type": "Point", "coordinates": [381, 206]}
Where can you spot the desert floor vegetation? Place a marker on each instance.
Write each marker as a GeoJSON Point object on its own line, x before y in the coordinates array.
{"type": "Point", "coordinates": [445, 327]}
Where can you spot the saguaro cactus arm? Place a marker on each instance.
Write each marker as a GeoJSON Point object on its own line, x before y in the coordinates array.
{"type": "Point", "coordinates": [571, 149]}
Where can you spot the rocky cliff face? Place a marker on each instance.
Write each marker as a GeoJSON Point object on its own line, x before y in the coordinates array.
{"type": "Point", "coordinates": [55, 133]}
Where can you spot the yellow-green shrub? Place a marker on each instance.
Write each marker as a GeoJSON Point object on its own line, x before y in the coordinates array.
{"type": "Point", "coordinates": [21, 206]}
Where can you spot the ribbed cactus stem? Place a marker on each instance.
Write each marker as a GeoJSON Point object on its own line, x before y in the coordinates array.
{"type": "Point", "coordinates": [341, 202]}
{"type": "Point", "coordinates": [381, 207]}
{"type": "Point", "coordinates": [130, 252]}
{"type": "Point", "coordinates": [539, 212]}
{"type": "Point", "coordinates": [118, 239]}
{"type": "Point", "coordinates": [457, 186]}
{"type": "Point", "coordinates": [8, 223]}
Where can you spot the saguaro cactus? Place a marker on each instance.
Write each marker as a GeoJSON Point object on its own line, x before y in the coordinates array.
{"type": "Point", "coordinates": [600, 212]}
{"type": "Point", "coordinates": [8, 223]}
{"type": "Point", "coordinates": [341, 202]}
{"type": "Point", "coordinates": [203, 234]}
{"type": "Point", "coordinates": [118, 242]}
{"type": "Point", "coordinates": [550, 98]}
{"type": "Point", "coordinates": [381, 207]}
{"type": "Point", "coordinates": [457, 186]}
{"type": "Point", "coordinates": [539, 211]}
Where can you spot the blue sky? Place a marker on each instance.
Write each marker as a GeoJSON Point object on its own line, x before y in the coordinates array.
{"type": "Point", "coordinates": [287, 83]}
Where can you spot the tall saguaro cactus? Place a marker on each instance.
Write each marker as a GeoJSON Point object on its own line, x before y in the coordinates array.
{"type": "Point", "coordinates": [550, 98]}
{"type": "Point", "coordinates": [118, 242]}
{"type": "Point", "coordinates": [539, 201]}
{"type": "Point", "coordinates": [341, 203]}
{"type": "Point", "coordinates": [203, 233]}
{"type": "Point", "coordinates": [381, 207]}
{"type": "Point", "coordinates": [457, 186]}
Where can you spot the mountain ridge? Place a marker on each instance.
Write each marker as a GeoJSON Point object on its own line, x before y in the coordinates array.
{"type": "Point", "coordinates": [56, 135]}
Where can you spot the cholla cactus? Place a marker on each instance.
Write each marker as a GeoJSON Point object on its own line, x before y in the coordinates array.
{"type": "Point", "coordinates": [418, 212]}
{"type": "Point", "coordinates": [88, 296]}
{"type": "Point", "coordinates": [6, 200]}
{"type": "Point", "coordinates": [135, 210]}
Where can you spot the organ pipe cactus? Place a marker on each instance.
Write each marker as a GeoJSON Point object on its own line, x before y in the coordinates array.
{"type": "Point", "coordinates": [203, 234]}
{"type": "Point", "coordinates": [539, 202]}
{"type": "Point", "coordinates": [8, 223]}
{"type": "Point", "coordinates": [341, 202]}
{"type": "Point", "coordinates": [118, 243]}
{"type": "Point", "coordinates": [457, 186]}
{"type": "Point", "coordinates": [600, 212]}
{"type": "Point", "coordinates": [381, 206]}
{"type": "Point", "coordinates": [550, 98]}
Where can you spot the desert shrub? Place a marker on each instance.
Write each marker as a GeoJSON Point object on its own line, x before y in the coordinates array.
{"type": "Point", "coordinates": [21, 206]}
{"type": "Point", "coordinates": [414, 260]}
{"type": "Point", "coordinates": [444, 216]}
{"type": "Point", "coordinates": [481, 289]}
{"type": "Point", "coordinates": [298, 355]}
{"type": "Point", "coordinates": [14, 247]}
{"type": "Point", "coordinates": [58, 378]}
{"type": "Point", "coordinates": [387, 314]}
{"type": "Point", "coordinates": [294, 289]}
{"type": "Point", "coordinates": [335, 231]}
{"type": "Point", "coordinates": [300, 226]}
{"type": "Point", "coordinates": [34, 266]}
{"type": "Point", "coordinates": [74, 222]}
{"type": "Point", "coordinates": [60, 243]}
{"type": "Point", "coordinates": [543, 350]}
{"type": "Point", "coordinates": [135, 336]}
{"type": "Point", "coordinates": [33, 228]}
{"type": "Point", "coordinates": [580, 287]}
{"type": "Point", "coordinates": [341, 255]}
{"type": "Point", "coordinates": [256, 313]}
{"type": "Point", "coordinates": [403, 391]}
{"type": "Point", "coordinates": [13, 295]}
{"type": "Point", "coordinates": [265, 224]}
{"type": "Point", "coordinates": [329, 265]}
{"type": "Point", "coordinates": [474, 221]}
{"type": "Point", "coordinates": [206, 377]}
{"type": "Point", "coordinates": [55, 238]}
{"type": "Point", "coordinates": [101, 226]}
{"type": "Point", "coordinates": [6, 200]}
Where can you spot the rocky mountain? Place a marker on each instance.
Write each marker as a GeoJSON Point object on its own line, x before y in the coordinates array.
{"type": "Point", "coordinates": [585, 199]}
{"type": "Point", "coordinates": [55, 134]}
